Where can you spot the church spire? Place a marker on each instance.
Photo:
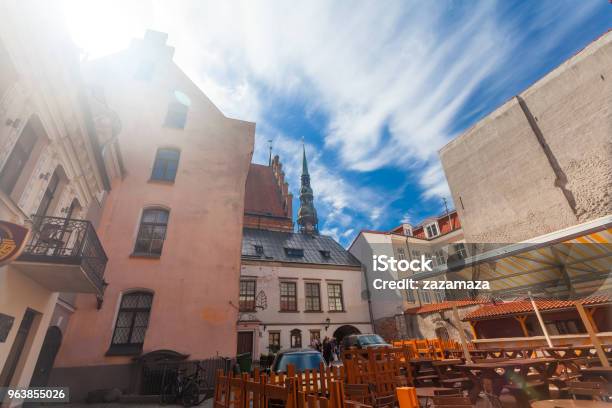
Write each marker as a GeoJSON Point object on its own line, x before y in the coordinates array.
{"type": "Point", "coordinates": [307, 214]}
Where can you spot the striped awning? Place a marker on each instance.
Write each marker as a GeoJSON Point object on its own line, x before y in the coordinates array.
{"type": "Point", "coordinates": [566, 264]}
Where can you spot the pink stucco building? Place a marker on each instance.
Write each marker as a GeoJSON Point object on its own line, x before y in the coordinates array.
{"type": "Point", "coordinates": [171, 226]}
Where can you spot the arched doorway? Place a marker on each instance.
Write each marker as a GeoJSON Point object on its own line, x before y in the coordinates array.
{"type": "Point", "coordinates": [343, 331]}
{"type": "Point", "coordinates": [46, 358]}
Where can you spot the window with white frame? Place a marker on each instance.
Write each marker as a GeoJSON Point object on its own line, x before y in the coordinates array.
{"type": "Point", "coordinates": [432, 230]}
{"type": "Point", "coordinates": [401, 254]}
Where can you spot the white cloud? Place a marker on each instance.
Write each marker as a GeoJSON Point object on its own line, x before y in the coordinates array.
{"type": "Point", "coordinates": [391, 77]}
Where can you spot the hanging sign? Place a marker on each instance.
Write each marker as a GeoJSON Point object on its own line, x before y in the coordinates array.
{"type": "Point", "coordinates": [12, 241]}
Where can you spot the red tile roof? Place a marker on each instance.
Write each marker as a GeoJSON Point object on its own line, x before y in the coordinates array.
{"type": "Point", "coordinates": [436, 307]}
{"type": "Point", "coordinates": [524, 306]}
{"type": "Point", "coordinates": [262, 195]}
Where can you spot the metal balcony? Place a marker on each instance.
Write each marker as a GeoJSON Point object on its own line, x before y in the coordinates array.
{"type": "Point", "coordinates": [64, 255]}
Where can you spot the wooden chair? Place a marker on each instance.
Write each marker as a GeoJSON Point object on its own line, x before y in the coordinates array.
{"type": "Point", "coordinates": [254, 391]}
{"type": "Point", "coordinates": [280, 396]}
{"type": "Point", "coordinates": [595, 390]}
{"type": "Point", "coordinates": [450, 376]}
{"type": "Point", "coordinates": [358, 393]}
{"type": "Point", "coordinates": [221, 397]}
{"type": "Point", "coordinates": [452, 401]}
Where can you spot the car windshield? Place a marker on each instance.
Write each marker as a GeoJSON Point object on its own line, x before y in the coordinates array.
{"type": "Point", "coordinates": [301, 361]}
{"type": "Point", "coordinates": [371, 339]}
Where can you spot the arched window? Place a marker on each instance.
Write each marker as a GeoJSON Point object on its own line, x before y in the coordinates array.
{"type": "Point", "coordinates": [176, 117]}
{"type": "Point", "coordinates": [152, 232]}
{"type": "Point", "coordinates": [132, 322]}
{"type": "Point", "coordinates": [296, 338]}
{"type": "Point", "coordinates": [166, 164]}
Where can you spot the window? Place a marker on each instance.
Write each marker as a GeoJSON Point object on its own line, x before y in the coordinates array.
{"type": "Point", "coordinates": [176, 117]}
{"type": "Point", "coordinates": [439, 296]}
{"type": "Point", "coordinates": [294, 252]}
{"type": "Point", "coordinates": [274, 343]}
{"type": "Point", "coordinates": [325, 254]}
{"type": "Point", "coordinates": [247, 295]}
{"type": "Point", "coordinates": [460, 250]}
{"type": "Point", "coordinates": [416, 254]}
{"type": "Point", "coordinates": [166, 164]}
{"type": "Point", "coordinates": [296, 338]}
{"type": "Point", "coordinates": [315, 335]}
{"type": "Point", "coordinates": [152, 232]}
{"type": "Point", "coordinates": [439, 257]}
{"type": "Point", "coordinates": [48, 195]}
{"type": "Point", "coordinates": [334, 294]}
{"type": "Point", "coordinates": [425, 296]}
{"type": "Point", "coordinates": [313, 297]}
{"type": "Point", "coordinates": [288, 297]}
{"type": "Point", "coordinates": [132, 322]}
{"type": "Point", "coordinates": [16, 162]}
{"type": "Point", "coordinates": [401, 254]}
{"type": "Point", "coordinates": [410, 295]}
{"type": "Point", "coordinates": [432, 230]}
{"type": "Point", "coordinates": [259, 249]}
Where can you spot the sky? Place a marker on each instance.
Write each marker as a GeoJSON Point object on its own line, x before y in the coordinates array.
{"type": "Point", "coordinates": [374, 89]}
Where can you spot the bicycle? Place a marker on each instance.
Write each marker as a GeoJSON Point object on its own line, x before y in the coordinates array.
{"type": "Point", "coordinates": [191, 390]}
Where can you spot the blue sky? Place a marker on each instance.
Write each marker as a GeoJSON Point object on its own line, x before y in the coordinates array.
{"type": "Point", "coordinates": [374, 88]}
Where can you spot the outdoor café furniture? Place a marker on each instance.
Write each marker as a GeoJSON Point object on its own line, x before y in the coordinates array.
{"type": "Point", "coordinates": [424, 374]}
{"type": "Point", "coordinates": [591, 373]}
{"type": "Point", "coordinates": [514, 375]}
{"type": "Point", "coordinates": [592, 389]}
{"type": "Point", "coordinates": [569, 403]}
{"type": "Point", "coordinates": [452, 401]}
{"type": "Point", "coordinates": [450, 376]}
{"type": "Point", "coordinates": [427, 393]}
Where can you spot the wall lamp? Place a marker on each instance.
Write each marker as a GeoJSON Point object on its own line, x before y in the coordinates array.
{"type": "Point", "coordinates": [327, 322]}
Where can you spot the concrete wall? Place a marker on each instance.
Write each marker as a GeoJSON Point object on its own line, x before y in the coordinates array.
{"type": "Point", "coordinates": [269, 275]}
{"type": "Point", "coordinates": [509, 187]}
{"type": "Point", "coordinates": [196, 277]}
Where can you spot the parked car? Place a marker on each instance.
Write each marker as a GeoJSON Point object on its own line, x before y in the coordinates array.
{"type": "Point", "coordinates": [363, 341]}
{"type": "Point", "coordinates": [302, 359]}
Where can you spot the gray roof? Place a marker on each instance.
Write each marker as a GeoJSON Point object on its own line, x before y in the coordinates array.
{"type": "Point", "coordinates": [317, 249]}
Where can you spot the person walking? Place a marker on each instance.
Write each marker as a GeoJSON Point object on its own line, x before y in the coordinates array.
{"type": "Point", "coordinates": [327, 351]}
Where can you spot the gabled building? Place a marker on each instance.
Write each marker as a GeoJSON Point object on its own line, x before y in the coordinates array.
{"type": "Point", "coordinates": [171, 226]}
{"type": "Point", "coordinates": [437, 238]}
{"type": "Point", "coordinates": [294, 286]}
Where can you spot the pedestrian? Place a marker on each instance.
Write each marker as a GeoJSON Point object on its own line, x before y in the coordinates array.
{"type": "Point", "coordinates": [327, 351]}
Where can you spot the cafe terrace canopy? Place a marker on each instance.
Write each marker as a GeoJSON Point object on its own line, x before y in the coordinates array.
{"type": "Point", "coordinates": [567, 264]}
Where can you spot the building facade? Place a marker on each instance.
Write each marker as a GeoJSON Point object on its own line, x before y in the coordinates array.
{"type": "Point", "coordinates": [540, 162]}
{"type": "Point", "coordinates": [55, 166]}
{"type": "Point", "coordinates": [295, 287]}
{"type": "Point", "coordinates": [436, 238]}
{"type": "Point", "coordinates": [171, 226]}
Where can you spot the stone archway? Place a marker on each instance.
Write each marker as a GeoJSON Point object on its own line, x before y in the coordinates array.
{"type": "Point", "coordinates": [343, 331]}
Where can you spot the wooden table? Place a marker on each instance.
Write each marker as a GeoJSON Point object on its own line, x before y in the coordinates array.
{"type": "Point", "coordinates": [569, 403]}
{"type": "Point", "coordinates": [593, 372]}
{"type": "Point", "coordinates": [492, 377]}
{"type": "Point", "coordinates": [429, 392]}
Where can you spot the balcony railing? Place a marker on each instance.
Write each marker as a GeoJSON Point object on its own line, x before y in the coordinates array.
{"type": "Point", "coordinates": [65, 241]}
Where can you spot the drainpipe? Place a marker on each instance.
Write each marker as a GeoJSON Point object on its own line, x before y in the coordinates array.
{"type": "Point", "coordinates": [365, 274]}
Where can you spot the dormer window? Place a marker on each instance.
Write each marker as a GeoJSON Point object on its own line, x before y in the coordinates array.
{"type": "Point", "coordinates": [432, 230]}
{"type": "Point", "coordinates": [294, 252]}
{"type": "Point", "coordinates": [259, 249]}
{"type": "Point", "coordinates": [325, 253]}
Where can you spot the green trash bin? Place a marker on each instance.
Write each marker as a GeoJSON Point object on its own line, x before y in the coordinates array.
{"type": "Point", "coordinates": [244, 361]}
